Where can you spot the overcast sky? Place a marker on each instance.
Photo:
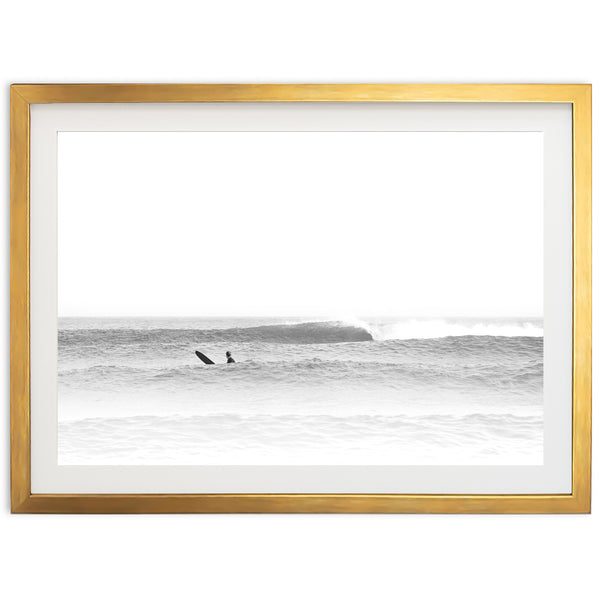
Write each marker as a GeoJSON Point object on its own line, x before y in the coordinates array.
{"type": "Point", "coordinates": [332, 224]}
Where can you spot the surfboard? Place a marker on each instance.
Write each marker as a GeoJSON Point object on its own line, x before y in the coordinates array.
{"type": "Point", "coordinates": [204, 358]}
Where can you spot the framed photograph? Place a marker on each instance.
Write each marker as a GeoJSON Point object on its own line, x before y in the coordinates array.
{"type": "Point", "coordinates": [301, 298]}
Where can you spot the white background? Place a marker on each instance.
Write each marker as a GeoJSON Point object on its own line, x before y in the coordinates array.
{"type": "Point", "coordinates": [293, 556]}
{"type": "Point", "coordinates": [371, 232]}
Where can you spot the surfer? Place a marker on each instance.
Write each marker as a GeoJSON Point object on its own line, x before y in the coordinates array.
{"type": "Point", "coordinates": [207, 360]}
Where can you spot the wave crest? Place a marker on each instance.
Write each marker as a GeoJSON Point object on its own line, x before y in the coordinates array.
{"type": "Point", "coordinates": [410, 329]}
{"type": "Point", "coordinates": [311, 332]}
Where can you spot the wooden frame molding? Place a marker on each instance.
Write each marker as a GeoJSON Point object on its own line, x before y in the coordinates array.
{"type": "Point", "coordinates": [23, 501]}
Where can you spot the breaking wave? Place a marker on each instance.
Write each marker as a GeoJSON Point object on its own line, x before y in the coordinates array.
{"type": "Point", "coordinates": [317, 332]}
{"type": "Point", "coordinates": [411, 329]}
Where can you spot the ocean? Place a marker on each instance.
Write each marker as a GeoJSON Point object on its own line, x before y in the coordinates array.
{"type": "Point", "coordinates": [131, 391]}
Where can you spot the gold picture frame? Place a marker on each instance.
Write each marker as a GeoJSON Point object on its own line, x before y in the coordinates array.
{"type": "Point", "coordinates": [23, 501]}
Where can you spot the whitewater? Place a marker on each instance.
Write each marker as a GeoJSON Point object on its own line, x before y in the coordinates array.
{"type": "Point", "coordinates": [338, 391]}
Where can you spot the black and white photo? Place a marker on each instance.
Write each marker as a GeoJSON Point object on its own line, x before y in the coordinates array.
{"type": "Point", "coordinates": [300, 298]}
